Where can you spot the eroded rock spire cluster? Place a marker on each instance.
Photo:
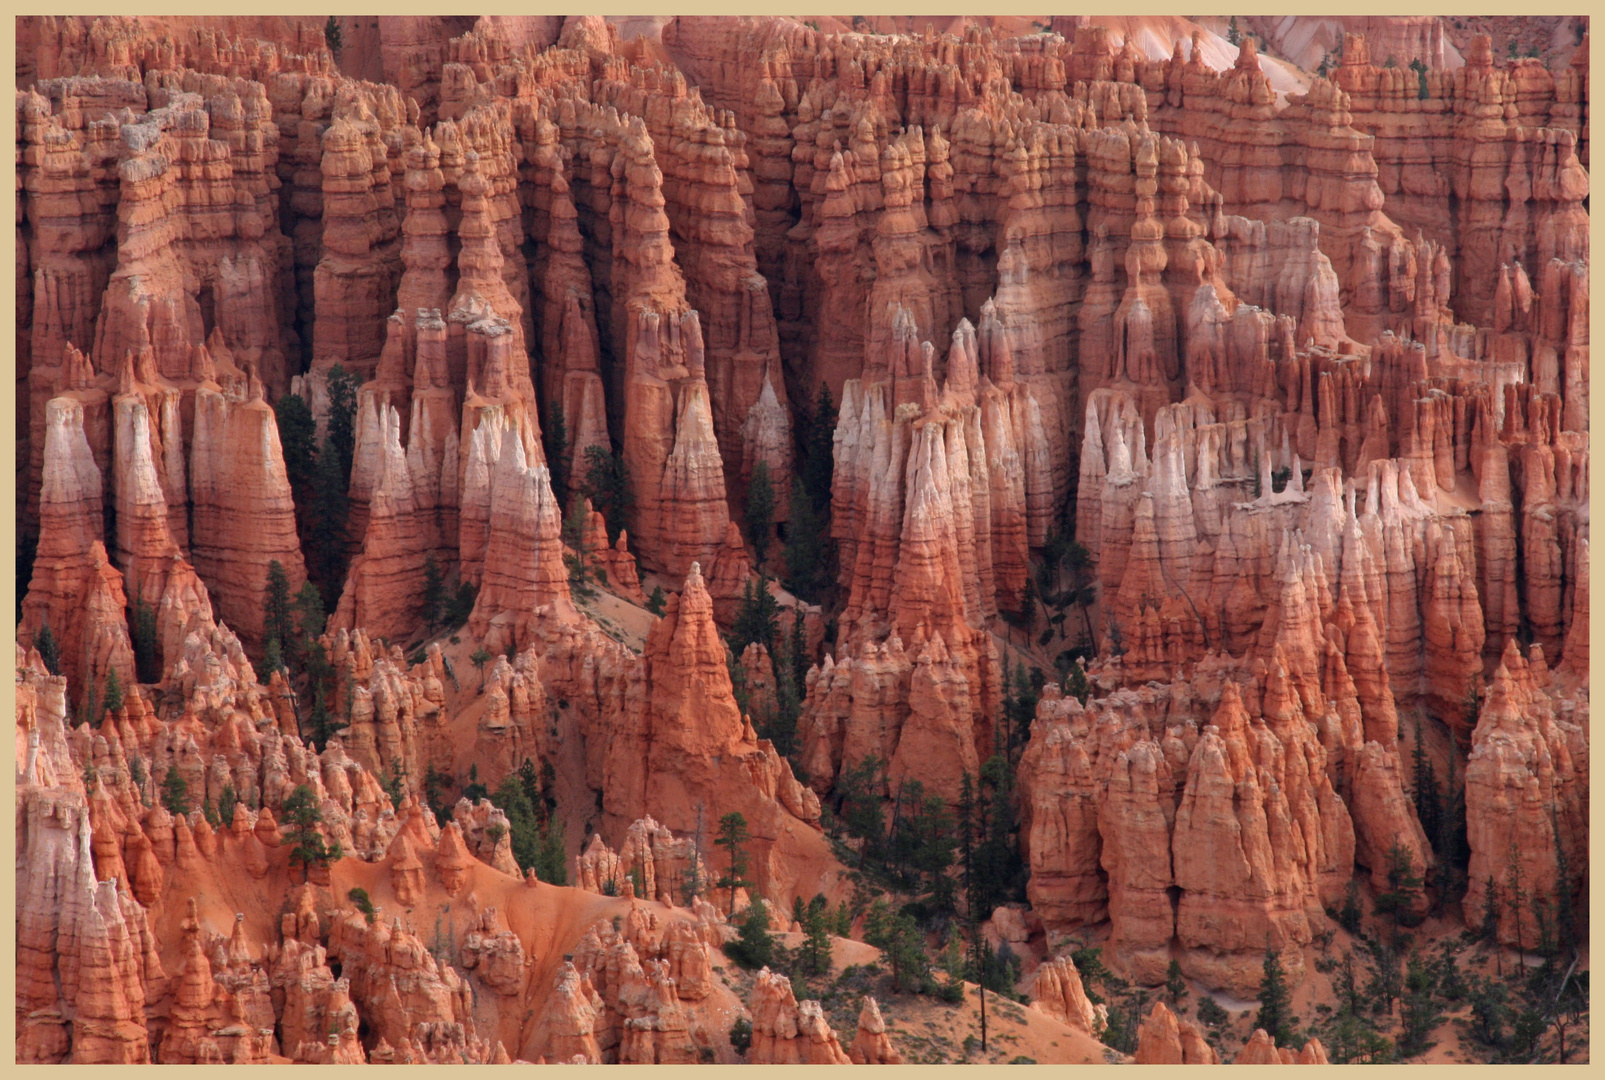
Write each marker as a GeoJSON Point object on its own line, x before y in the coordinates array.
{"type": "Point", "coordinates": [1252, 414]}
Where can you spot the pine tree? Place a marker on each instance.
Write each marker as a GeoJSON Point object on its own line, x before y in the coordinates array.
{"type": "Point", "coordinates": [434, 593]}
{"type": "Point", "coordinates": [655, 603]}
{"type": "Point", "coordinates": [1076, 684]}
{"type": "Point", "coordinates": [511, 798]}
{"type": "Point", "coordinates": [741, 1035]}
{"type": "Point", "coordinates": [462, 604]}
{"type": "Point", "coordinates": [797, 654]}
{"type": "Point", "coordinates": [175, 793]}
{"type": "Point", "coordinates": [321, 722]}
{"type": "Point", "coordinates": [479, 658]}
{"type": "Point", "coordinates": [1565, 905]}
{"type": "Point", "coordinates": [806, 550]}
{"type": "Point", "coordinates": [272, 660]}
{"type": "Point", "coordinates": [1489, 927]}
{"type": "Point", "coordinates": [49, 651]}
{"type": "Point", "coordinates": [1425, 783]}
{"type": "Point", "coordinates": [819, 451]}
{"type": "Point", "coordinates": [1384, 984]}
{"type": "Point", "coordinates": [554, 436]}
{"type": "Point", "coordinates": [815, 953]}
{"type": "Point", "coordinates": [147, 655]}
{"type": "Point", "coordinates": [327, 533]}
{"type": "Point", "coordinates": [333, 37]}
{"type": "Point", "coordinates": [298, 442]}
{"type": "Point", "coordinates": [227, 803]}
{"type": "Point", "coordinates": [755, 948]}
{"type": "Point", "coordinates": [1515, 897]}
{"type": "Point", "coordinates": [1276, 1001]}
{"type": "Point", "coordinates": [760, 509]}
{"type": "Point", "coordinates": [342, 416]}
{"type": "Point", "coordinates": [1175, 983]}
{"type": "Point", "coordinates": [307, 845]}
{"type": "Point", "coordinates": [733, 836]}
{"type": "Point", "coordinates": [758, 618]}
{"type": "Point", "coordinates": [1233, 35]}
{"type": "Point", "coordinates": [1404, 888]}
{"type": "Point", "coordinates": [607, 485]}
{"type": "Point", "coordinates": [1418, 1013]}
{"type": "Point", "coordinates": [114, 691]}
{"type": "Point", "coordinates": [551, 865]}
{"type": "Point", "coordinates": [309, 610]}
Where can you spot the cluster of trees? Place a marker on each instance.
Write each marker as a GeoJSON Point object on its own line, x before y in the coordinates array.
{"type": "Point", "coordinates": [810, 553]}
{"type": "Point", "coordinates": [1392, 984]}
{"type": "Point", "coordinates": [528, 799]}
{"type": "Point", "coordinates": [320, 477]}
{"type": "Point", "coordinates": [758, 622]}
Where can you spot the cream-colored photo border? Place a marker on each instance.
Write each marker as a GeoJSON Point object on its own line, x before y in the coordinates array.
{"type": "Point", "coordinates": [8, 417]}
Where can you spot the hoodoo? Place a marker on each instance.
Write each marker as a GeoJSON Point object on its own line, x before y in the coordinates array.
{"type": "Point", "coordinates": [862, 540]}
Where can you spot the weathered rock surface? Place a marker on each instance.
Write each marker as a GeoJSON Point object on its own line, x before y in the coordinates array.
{"type": "Point", "coordinates": [1262, 391]}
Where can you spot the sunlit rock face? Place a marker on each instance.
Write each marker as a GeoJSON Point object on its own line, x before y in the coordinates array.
{"type": "Point", "coordinates": [456, 452]}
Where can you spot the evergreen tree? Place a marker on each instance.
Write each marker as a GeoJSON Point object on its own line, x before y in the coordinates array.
{"type": "Point", "coordinates": [819, 454]}
{"type": "Point", "coordinates": [49, 651]}
{"type": "Point", "coordinates": [227, 803]}
{"type": "Point", "coordinates": [307, 845]}
{"type": "Point", "coordinates": [1404, 888]}
{"type": "Point", "coordinates": [1076, 684]}
{"type": "Point", "coordinates": [175, 793]}
{"type": "Point", "coordinates": [797, 654]}
{"type": "Point", "coordinates": [554, 436]}
{"type": "Point", "coordinates": [342, 416]}
{"type": "Point", "coordinates": [655, 603]}
{"type": "Point", "coordinates": [1276, 1001]}
{"type": "Point", "coordinates": [512, 800]}
{"type": "Point", "coordinates": [607, 485]}
{"type": "Point", "coordinates": [394, 783]}
{"type": "Point", "coordinates": [272, 660]}
{"type": "Point", "coordinates": [1175, 983]}
{"type": "Point", "coordinates": [1425, 782]}
{"type": "Point", "coordinates": [806, 552]}
{"type": "Point", "coordinates": [298, 442]}
{"type": "Point", "coordinates": [741, 1035]}
{"type": "Point", "coordinates": [309, 612]}
{"type": "Point", "coordinates": [1515, 896]}
{"type": "Point", "coordinates": [1349, 916]}
{"type": "Point", "coordinates": [1418, 1012]}
{"type": "Point", "coordinates": [462, 604]}
{"type": "Point", "coordinates": [147, 654]}
{"type": "Point", "coordinates": [898, 937]}
{"type": "Point", "coordinates": [859, 805]}
{"type": "Point", "coordinates": [1566, 932]}
{"type": "Point", "coordinates": [551, 862]}
{"type": "Point", "coordinates": [755, 948]}
{"type": "Point", "coordinates": [327, 532]}
{"type": "Point", "coordinates": [434, 593]}
{"type": "Point", "coordinates": [760, 509]}
{"type": "Point", "coordinates": [114, 691]}
{"type": "Point", "coordinates": [814, 956]}
{"type": "Point", "coordinates": [335, 39]}
{"type": "Point", "coordinates": [1489, 927]}
{"type": "Point", "coordinates": [758, 618]}
{"type": "Point", "coordinates": [1383, 986]}
{"type": "Point", "coordinates": [1211, 1015]}
{"type": "Point", "coordinates": [479, 658]}
{"type": "Point", "coordinates": [362, 902]}
{"type": "Point", "coordinates": [733, 837]}
{"type": "Point", "coordinates": [578, 561]}
{"type": "Point", "coordinates": [1233, 35]}
{"type": "Point", "coordinates": [321, 724]}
